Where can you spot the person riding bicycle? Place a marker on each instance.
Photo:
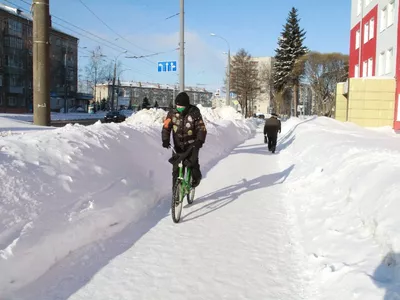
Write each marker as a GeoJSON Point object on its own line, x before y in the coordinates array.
{"type": "Point", "coordinates": [188, 130]}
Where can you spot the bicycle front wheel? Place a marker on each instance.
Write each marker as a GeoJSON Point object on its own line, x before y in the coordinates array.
{"type": "Point", "coordinates": [177, 202]}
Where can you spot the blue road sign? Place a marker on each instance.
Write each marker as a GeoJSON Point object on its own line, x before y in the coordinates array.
{"type": "Point", "coordinates": [166, 66]}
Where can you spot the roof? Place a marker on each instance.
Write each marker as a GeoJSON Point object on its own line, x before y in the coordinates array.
{"type": "Point", "coordinates": [21, 14]}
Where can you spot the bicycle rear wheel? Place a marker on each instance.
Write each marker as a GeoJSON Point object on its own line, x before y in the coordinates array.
{"type": "Point", "coordinates": [177, 202]}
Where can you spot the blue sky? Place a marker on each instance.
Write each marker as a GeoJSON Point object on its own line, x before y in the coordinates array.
{"type": "Point", "coordinates": [253, 24]}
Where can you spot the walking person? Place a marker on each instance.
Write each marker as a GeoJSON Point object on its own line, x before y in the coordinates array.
{"type": "Point", "coordinates": [272, 127]}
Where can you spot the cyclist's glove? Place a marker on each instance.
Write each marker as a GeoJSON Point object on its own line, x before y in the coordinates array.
{"type": "Point", "coordinates": [198, 144]}
{"type": "Point", "coordinates": [166, 144]}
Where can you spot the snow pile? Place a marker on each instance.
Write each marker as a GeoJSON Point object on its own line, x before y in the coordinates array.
{"type": "Point", "coordinates": [61, 116]}
{"type": "Point", "coordinates": [70, 187]}
{"type": "Point", "coordinates": [14, 127]}
{"type": "Point", "coordinates": [148, 117]}
{"type": "Point", "coordinates": [345, 190]}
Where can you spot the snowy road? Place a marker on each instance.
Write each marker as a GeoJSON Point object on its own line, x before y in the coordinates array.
{"type": "Point", "coordinates": [234, 242]}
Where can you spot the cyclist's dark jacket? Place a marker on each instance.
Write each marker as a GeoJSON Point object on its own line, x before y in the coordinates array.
{"type": "Point", "coordinates": [186, 127]}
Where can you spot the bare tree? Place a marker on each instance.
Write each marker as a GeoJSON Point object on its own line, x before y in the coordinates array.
{"type": "Point", "coordinates": [323, 71]}
{"type": "Point", "coordinates": [244, 81]}
{"type": "Point", "coordinates": [98, 69]}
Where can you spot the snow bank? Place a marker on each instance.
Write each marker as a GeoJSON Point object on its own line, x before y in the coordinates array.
{"type": "Point", "coordinates": [345, 190]}
{"type": "Point", "coordinates": [69, 187]}
{"type": "Point", "coordinates": [14, 127]}
{"type": "Point", "coordinates": [61, 116]}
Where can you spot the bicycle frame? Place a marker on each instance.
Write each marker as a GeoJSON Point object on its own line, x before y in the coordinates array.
{"type": "Point", "coordinates": [185, 180]}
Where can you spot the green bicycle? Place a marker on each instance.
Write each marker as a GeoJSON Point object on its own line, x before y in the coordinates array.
{"type": "Point", "coordinates": [183, 185]}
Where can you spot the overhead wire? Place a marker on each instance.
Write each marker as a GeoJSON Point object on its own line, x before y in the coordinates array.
{"type": "Point", "coordinates": [113, 47]}
{"type": "Point", "coordinates": [110, 60]}
{"type": "Point", "coordinates": [105, 24]}
{"type": "Point", "coordinates": [104, 41]}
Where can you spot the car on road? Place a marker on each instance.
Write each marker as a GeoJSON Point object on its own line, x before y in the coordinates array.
{"type": "Point", "coordinates": [114, 117]}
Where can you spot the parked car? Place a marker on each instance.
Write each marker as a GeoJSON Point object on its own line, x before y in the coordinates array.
{"type": "Point", "coordinates": [114, 117]}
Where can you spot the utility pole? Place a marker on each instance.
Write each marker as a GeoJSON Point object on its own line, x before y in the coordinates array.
{"type": "Point", "coordinates": [41, 63]}
{"type": "Point", "coordinates": [228, 84]}
{"type": "Point", "coordinates": [113, 85]}
{"type": "Point", "coordinates": [65, 80]}
{"type": "Point", "coordinates": [182, 48]}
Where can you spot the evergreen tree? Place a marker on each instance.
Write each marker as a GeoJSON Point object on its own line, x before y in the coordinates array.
{"type": "Point", "coordinates": [290, 49]}
{"type": "Point", "coordinates": [156, 104]}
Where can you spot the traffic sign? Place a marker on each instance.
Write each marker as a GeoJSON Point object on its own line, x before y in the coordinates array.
{"type": "Point", "coordinates": [166, 66]}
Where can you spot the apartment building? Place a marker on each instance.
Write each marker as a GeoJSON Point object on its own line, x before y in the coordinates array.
{"type": "Point", "coordinates": [131, 93]}
{"type": "Point", "coordinates": [262, 102]}
{"type": "Point", "coordinates": [16, 93]}
{"type": "Point", "coordinates": [374, 45]}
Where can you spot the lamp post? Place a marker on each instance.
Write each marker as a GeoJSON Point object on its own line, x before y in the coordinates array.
{"type": "Point", "coordinates": [115, 75]}
{"type": "Point", "coordinates": [228, 81]}
{"type": "Point", "coordinates": [182, 47]}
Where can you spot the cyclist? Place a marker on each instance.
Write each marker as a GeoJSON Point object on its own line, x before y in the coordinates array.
{"type": "Point", "coordinates": [188, 130]}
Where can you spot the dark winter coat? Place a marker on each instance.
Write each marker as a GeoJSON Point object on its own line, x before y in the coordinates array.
{"type": "Point", "coordinates": [187, 127]}
{"type": "Point", "coordinates": [272, 126]}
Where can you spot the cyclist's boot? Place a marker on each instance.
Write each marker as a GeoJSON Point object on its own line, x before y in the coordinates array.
{"type": "Point", "coordinates": [196, 178]}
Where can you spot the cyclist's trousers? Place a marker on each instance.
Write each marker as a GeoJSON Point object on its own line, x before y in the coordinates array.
{"type": "Point", "coordinates": [193, 163]}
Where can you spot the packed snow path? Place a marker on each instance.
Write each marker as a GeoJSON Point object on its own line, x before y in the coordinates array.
{"type": "Point", "coordinates": [234, 242]}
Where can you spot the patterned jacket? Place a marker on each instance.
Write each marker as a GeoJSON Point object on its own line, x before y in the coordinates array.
{"type": "Point", "coordinates": [186, 127]}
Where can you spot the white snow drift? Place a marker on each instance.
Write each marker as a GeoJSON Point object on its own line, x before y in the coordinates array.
{"type": "Point", "coordinates": [335, 214]}
{"type": "Point", "coordinates": [65, 188]}
{"type": "Point", "coordinates": [345, 189]}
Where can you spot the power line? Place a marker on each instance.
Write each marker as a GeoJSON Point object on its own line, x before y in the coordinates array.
{"type": "Point", "coordinates": [113, 47]}
{"type": "Point", "coordinates": [110, 60]}
{"type": "Point", "coordinates": [92, 12]}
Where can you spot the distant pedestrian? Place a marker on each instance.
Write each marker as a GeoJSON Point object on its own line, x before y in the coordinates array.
{"type": "Point", "coordinates": [271, 129]}
{"type": "Point", "coordinates": [145, 103]}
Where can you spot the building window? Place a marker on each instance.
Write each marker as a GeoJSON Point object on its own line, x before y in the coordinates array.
{"type": "Point", "coordinates": [359, 5]}
{"type": "Point", "coordinates": [356, 71]}
{"type": "Point", "coordinates": [390, 13]}
{"type": "Point", "coordinates": [366, 32]}
{"type": "Point", "coordinates": [371, 28]}
{"type": "Point", "coordinates": [389, 59]}
{"type": "Point", "coordinates": [365, 69]}
{"type": "Point", "coordinates": [23, 101]}
{"type": "Point", "coordinates": [370, 67]}
{"type": "Point", "coordinates": [383, 18]}
{"type": "Point", "coordinates": [358, 39]}
{"type": "Point", "coordinates": [1, 100]}
{"type": "Point", "coordinates": [15, 27]}
{"type": "Point", "coordinates": [381, 66]}
{"type": "Point", "coordinates": [12, 101]}
{"type": "Point", "coordinates": [13, 80]}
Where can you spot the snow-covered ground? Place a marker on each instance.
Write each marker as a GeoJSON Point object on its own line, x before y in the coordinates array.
{"type": "Point", "coordinates": [74, 186]}
{"type": "Point", "coordinates": [60, 116]}
{"type": "Point", "coordinates": [85, 213]}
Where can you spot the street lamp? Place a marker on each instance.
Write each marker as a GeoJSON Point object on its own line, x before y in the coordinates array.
{"type": "Point", "coordinates": [182, 47]}
{"type": "Point", "coordinates": [115, 74]}
{"type": "Point", "coordinates": [228, 81]}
